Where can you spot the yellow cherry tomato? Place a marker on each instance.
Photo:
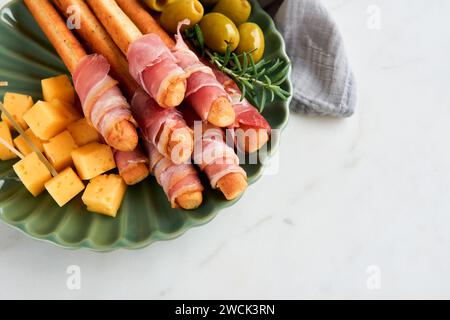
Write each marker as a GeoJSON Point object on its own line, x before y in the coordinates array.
{"type": "Point", "coordinates": [179, 10]}
{"type": "Point", "coordinates": [252, 39]}
{"type": "Point", "coordinates": [157, 5]}
{"type": "Point", "coordinates": [219, 32]}
{"type": "Point", "coordinates": [237, 10]}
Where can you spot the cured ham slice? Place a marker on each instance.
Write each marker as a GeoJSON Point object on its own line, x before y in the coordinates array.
{"type": "Point", "coordinates": [161, 126]}
{"type": "Point", "coordinates": [176, 180]}
{"type": "Point", "coordinates": [132, 165]}
{"type": "Point", "coordinates": [102, 102]}
{"type": "Point", "coordinates": [246, 114]}
{"type": "Point", "coordinates": [154, 67]}
{"type": "Point", "coordinates": [214, 156]}
{"type": "Point", "coordinates": [203, 89]}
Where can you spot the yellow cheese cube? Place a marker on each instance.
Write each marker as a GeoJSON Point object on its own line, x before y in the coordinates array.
{"type": "Point", "coordinates": [68, 110]}
{"type": "Point", "coordinates": [64, 187]}
{"type": "Point", "coordinates": [93, 160]}
{"type": "Point", "coordinates": [82, 132]}
{"type": "Point", "coordinates": [22, 145]}
{"type": "Point", "coordinates": [58, 87]}
{"type": "Point", "coordinates": [45, 120]}
{"type": "Point", "coordinates": [5, 134]}
{"type": "Point", "coordinates": [104, 194]}
{"type": "Point", "coordinates": [33, 173]}
{"type": "Point", "coordinates": [59, 150]}
{"type": "Point", "coordinates": [17, 105]}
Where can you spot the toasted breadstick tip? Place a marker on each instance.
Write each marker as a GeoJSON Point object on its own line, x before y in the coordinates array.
{"type": "Point", "coordinates": [174, 95]}
{"type": "Point", "coordinates": [222, 113]}
{"type": "Point", "coordinates": [190, 201]}
{"type": "Point", "coordinates": [123, 136]}
{"type": "Point", "coordinates": [181, 145]}
{"type": "Point", "coordinates": [250, 139]}
{"type": "Point", "coordinates": [232, 185]}
{"type": "Point", "coordinates": [135, 174]}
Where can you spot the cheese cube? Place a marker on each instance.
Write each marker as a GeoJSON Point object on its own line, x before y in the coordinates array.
{"type": "Point", "coordinates": [59, 150]}
{"type": "Point", "coordinates": [45, 120]}
{"type": "Point", "coordinates": [5, 134]}
{"type": "Point", "coordinates": [93, 160]}
{"type": "Point", "coordinates": [83, 133]}
{"type": "Point", "coordinates": [33, 173]}
{"type": "Point", "coordinates": [104, 194]}
{"type": "Point", "coordinates": [68, 110]}
{"type": "Point", "coordinates": [17, 105]}
{"type": "Point", "coordinates": [58, 87]}
{"type": "Point", "coordinates": [64, 187]}
{"type": "Point", "coordinates": [22, 145]}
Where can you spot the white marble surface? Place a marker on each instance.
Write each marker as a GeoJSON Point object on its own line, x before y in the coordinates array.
{"type": "Point", "coordinates": [368, 191]}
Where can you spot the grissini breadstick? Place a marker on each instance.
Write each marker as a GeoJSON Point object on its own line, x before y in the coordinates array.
{"type": "Point", "coordinates": [180, 182]}
{"type": "Point", "coordinates": [144, 21]}
{"type": "Point", "coordinates": [132, 165]}
{"type": "Point", "coordinates": [100, 43]}
{"type": "Point", "coordinates": [93, 33]}
{"type": "Point", "coordinates": [120, 132]}
{"type": "Point", "coordinates": [151, 63]}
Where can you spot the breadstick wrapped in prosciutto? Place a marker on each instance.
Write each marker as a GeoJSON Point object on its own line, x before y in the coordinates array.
{"type": "Point", "coordinates": [180, 182]}
{"type": "Point", "coordinates": [106, 108]}
{"type": "Point", "coordinates": [164, 128]}
{"type": "Point", "coordinates": [151, 63]}
{"type": "Point", "coordinates": [102, 101]}
{"type": "Point", "coordinates": [132, 165]}
{"type": "Point", "coordinates": [204, 93]}
{"type": "Point", "coordinates": [251, 130]}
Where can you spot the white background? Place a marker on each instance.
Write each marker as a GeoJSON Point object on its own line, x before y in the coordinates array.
{"type": "Point", "coordinates": [372, 190]}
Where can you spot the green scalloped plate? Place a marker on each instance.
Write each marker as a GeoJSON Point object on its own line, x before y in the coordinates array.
{"type": "Point", "coordinates": [26, 57]}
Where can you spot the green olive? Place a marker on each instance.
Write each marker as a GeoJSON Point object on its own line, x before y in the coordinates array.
{"type": "Point", "coordinates": [219, 32]}
{"type": "Point", "coordinates": [252, 39]}
{"type": "Point", "coordinates": [177, 11]}
{"type": "Point", "coordinates": [157, 5]}
{"type": "Point", "coordinates": [237, 10]}
{"type": "Point", "coordinates": [209, 2]}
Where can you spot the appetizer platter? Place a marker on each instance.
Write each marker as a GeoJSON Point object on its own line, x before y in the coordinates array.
{"type": "Point", "coordinates": [125, 122]}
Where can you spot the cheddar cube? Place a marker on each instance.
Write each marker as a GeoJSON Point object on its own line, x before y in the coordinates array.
{"type": "Point", "coordinates": [93, 160]}
{"type": "Point", "coordinates": [64, 187]}
{"type": "Point", "coordinates": [59, 150]}
{"type": "Point", "coordinates": [104, 194]}
{"type": "Point", "coordinates": [68, 110]}
{"type": "Point", "coordinates": [17, 105]}
{"type": "Point", "coordinates": [58, 87]}
{"type": "Point", "coordinates": [83, 133]}
{"type": "Point", "coordinates": [5, 134]}
{"type": "Point", "coordinates": [23, 146]}
{"type": "Point", "coordinates": [33, 173]}
{"type": "Point", "coordinates": [45, 120]}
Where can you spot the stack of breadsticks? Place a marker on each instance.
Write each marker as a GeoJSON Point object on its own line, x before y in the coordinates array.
{"type": "Point", "coordinates": [157, 74]}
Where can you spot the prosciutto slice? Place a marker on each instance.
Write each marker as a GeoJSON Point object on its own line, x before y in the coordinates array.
{"type": "Point", "coordinates": [156, 123]}
{"type": "Point", "coordinates": [214, 156]}
{"type": "Point", "coordinates": [102, 102]}
{"type": "Point", "coordinates": [246, 113]}
{"type": "Point", "coordinates": [176, 180]}
{"type": "Point", "coordinates": [202, 86]}
{"type": "Point", "coordinates": [153, 66]}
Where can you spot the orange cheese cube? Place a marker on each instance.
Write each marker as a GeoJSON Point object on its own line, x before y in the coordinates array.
{"type": "Point", "coordinates": [59, 150]}
{"type": "Point", "coordinates": [68, 110]}
{"type": "Point", "coordinates": [83, 133]}
{"type": "Point", "coordinates": [104, 194]}
{"type": "Point", "coordinates": [33, 173]}
{"type": "Point", "coordinates": [64, 187]}
{"type": "Point", "coordinates": [17, 105]}
{"type": "Point", "coordinates": [58, 87]}
{"type": "Point", "coordinates": [5, 134]}
{"type": "Point", "coordinates": [23, 146]}
{"type": "Point", "coordinates": [93, 160]}
{"type": "Point", "coordinates": [45, 120]}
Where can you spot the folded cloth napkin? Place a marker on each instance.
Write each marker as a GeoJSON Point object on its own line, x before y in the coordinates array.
{"type": "Point", "coordinates": [322, 78]}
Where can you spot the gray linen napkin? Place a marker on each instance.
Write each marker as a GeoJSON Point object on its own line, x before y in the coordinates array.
{"type": "Point", "coordinates": [322, 78]}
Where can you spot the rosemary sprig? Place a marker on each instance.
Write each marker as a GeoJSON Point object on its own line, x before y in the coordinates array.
{"type": "Point", "coordinates": [259, 82]}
